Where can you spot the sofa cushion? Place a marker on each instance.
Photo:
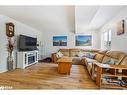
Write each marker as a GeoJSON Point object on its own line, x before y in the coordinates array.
{"type": "Point", "coordinates": [84, 61]}
{"type": "Point", "coordinates": [115, 54]}
{"type": "Point", "coordinates": [76, 60]}
{"type": "Point", "coordinates": [124, 61]}
{"type": "Point", "coordinates": [89, 60]}
{"type": "Point", "coordinates": [111, 61]}
{"type": "Point", "coordinates": [105, 59]}
{"type": "Point", "coordinates": [99, 57]}
{"type": "Point", "coordinates": [80, 54]}
{"type": "Point", "coordinates": [65, 52]}
{"type": "Point", "coordinates": [89, 50]}
{"type": "Point", "coordinates": [102, 52]}
{"type": "Point", "coordinates": [91, 55]}
{"type": "Point", "coordinates": [89, 67]}
{"type": "Point", "coordinates": [74, 52]}
{"type": "Point", "coordinates": [118, 55]}
{"type": "Point", "coordinates": [54, 57]}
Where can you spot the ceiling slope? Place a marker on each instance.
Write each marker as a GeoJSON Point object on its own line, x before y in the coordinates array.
{"type": "Point", "coordinates": [76, 19]}
{"type": "Point", "coordinates": [94, 17]}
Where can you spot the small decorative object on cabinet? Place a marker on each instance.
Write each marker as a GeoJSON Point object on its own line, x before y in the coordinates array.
{"type": "Point", "coordinates": [10, 29]}
{"type": "Point", "coordinates": [111, 76]}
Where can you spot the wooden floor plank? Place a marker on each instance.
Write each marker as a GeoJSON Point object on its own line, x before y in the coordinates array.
{"type": "Point", "coordinates": [46, 76]}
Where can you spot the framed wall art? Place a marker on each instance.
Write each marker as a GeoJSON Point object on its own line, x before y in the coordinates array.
{"type": "Point", "coordinates": [120, 27]}
{"type": "Point", "coordinates": [59, 40]}
{"type": "Point", "coordinates": [83, 40]}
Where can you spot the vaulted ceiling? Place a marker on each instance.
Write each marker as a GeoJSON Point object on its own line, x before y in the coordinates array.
{"type": "Point", "coordinates": [44, 18]}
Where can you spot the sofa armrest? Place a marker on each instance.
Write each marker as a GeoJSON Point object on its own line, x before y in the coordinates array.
{"type": "Point", "coordinates": [84, 61]}
{"type": "Point", "coordinates": [93, 73]}
{"type": "Point", "coordinates": [54, 58]}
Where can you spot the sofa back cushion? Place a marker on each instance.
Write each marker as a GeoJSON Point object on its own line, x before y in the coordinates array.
{"type": "Point", "coordinates": [80, 54]}
{"type": "Point", "coordinates": [89, 50]}
{"type": "Point", "coordinates": [102, 51]}
{"type": "Point", "coordinates": [106, 58]}
{"type": "Point", "coordinates": [117, 55]}
{"type": "Point", "coordinates": [74, 52]}
{"type": "Point", "coordinates": [124, 61]}
{"type": "Point", "coordinates": [99, 57]}
{"type": "Point", "coordinates": [65, 52]}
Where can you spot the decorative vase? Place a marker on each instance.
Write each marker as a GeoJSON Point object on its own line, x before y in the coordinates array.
{"type": "Point", "coordinates": [9, 63]}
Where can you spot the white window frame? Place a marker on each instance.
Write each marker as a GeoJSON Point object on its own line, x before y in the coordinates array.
{"type": "Point", "coordinates": [107, 39]}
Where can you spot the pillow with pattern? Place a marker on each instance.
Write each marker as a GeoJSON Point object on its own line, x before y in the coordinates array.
{"type": "Point", "coordinates": [59, 54]}
{"type": "Point", "coordinates": [111, 61]}
{"type": "Point", "coordinates": [91, 56]}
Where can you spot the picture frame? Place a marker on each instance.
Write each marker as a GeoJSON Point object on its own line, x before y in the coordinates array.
{"type": "Point", "coordinates": [59, 40]}
{"type": "Point", "coordinates": [10, 29]}
{"type": "Point", "coordinates": [120, 27]}
{"type": "Point", "coordinates": [83, 40]}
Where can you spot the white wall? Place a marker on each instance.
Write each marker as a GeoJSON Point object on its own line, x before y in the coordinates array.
{"type": "Point", "coordinates": [20, 28]}
{"type": "Point", "coordinates": [48, 47]}
{"type": "Point", "coordinates": [118, 42]}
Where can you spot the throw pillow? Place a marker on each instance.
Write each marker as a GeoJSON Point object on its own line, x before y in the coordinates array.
{"type": "Point", "coordinates": [86, 54]}
{"type": "Point", "coordinates": [59, 54]}
{"type": "Point", "coordinates": [80, 54]}
{"type": "Point", "coordinates": [111, 61]}
{"type": "Point", "coordinates": [91, 56]}
{"type": "Point", "coordinates": [107, 62]}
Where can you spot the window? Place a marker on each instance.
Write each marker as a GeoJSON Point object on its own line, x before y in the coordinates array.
{"type": "Point", "coordinates": [107, 40]}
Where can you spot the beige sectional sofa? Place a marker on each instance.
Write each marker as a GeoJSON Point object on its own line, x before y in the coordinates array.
{"type": "Point", "coordinates": [100, 57]}
{"type": "Point", "coordinates": [73, 53]}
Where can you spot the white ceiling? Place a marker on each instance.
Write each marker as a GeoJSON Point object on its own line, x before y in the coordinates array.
{"type": "Point", "coordinates": [94, 17]}
{"type": "Point", "coordinates": [42, 17]}
{"type": "Point", "coordinates": [50, 17]}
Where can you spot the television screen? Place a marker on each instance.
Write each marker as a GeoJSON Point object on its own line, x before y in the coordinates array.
{"type": "Point", "coordinates": [27, 43]}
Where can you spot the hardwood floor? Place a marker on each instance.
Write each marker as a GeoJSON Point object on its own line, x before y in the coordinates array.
{"type": "Point", "coordinates": [45, 76]}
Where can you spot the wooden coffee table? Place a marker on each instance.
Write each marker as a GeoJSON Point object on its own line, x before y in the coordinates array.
{"type": "Point", "coordinates": [64, 65]}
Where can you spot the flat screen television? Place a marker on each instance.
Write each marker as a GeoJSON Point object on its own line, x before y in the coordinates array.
{"type": "Point", "coordinates": [27, 43]}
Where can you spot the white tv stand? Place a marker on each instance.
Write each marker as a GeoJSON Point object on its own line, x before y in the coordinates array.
{"type": "Point", "coordinates": [26, 58]}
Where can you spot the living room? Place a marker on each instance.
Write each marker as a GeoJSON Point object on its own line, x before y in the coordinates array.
{"type": "Point", "coordinates": [71, 30]}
